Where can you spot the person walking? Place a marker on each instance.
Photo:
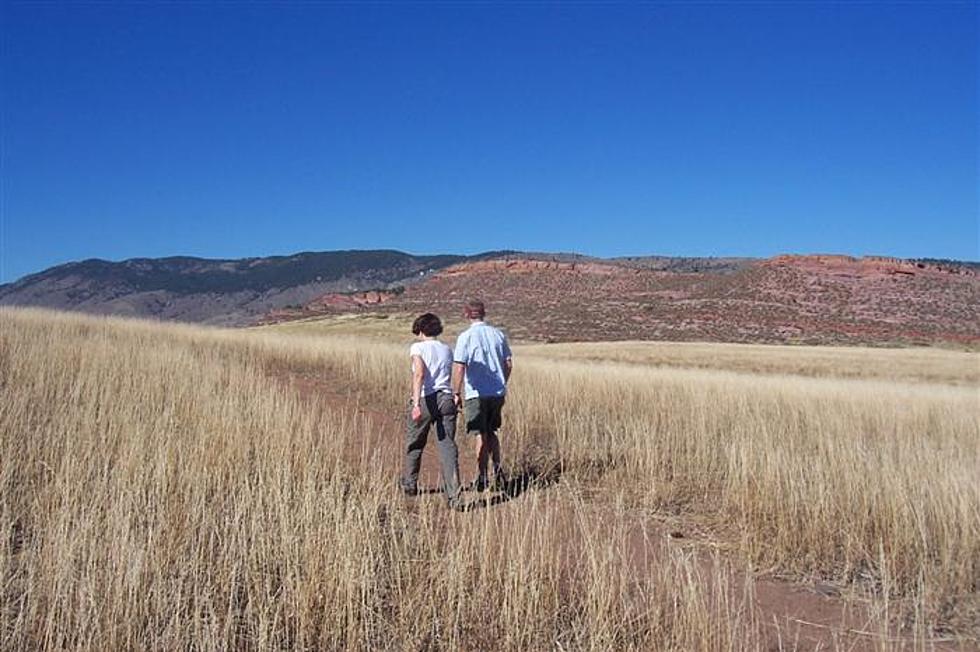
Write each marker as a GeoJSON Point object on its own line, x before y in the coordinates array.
{"type": "Point", "coordinates": [483, 362]}
{"type": "Point", "coordinates": [431, 403]}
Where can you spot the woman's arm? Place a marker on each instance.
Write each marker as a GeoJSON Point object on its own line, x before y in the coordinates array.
{"type": "Point", "coordinates": [418, 373]}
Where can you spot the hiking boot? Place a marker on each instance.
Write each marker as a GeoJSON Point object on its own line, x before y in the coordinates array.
{"type": "Point", "coordinates": [500, 481]}
{"type": "Point", "coordinates": [480, 484]}
{"type": "Point", "coordinates": [407, 490]}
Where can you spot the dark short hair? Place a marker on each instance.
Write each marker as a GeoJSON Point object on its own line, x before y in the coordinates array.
{"type": "Point", "coordinates": [475, 309]}
{"type": "Point", "coordinates": [427, 324]}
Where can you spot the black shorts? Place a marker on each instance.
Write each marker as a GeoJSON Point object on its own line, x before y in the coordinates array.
{"type": "Point", "coordinates": [483, 414]}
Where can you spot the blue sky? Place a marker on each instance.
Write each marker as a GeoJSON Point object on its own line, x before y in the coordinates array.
{"type": "Point", "coordinates": [230, 130]}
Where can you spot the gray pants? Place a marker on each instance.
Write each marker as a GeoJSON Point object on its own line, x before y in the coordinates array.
{"type": "Point", "coordinates": [440, 410]}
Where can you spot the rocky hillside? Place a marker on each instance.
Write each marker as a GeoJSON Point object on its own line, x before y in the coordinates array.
{"type": "Point", "coordinates": [228, 292]}
{"type": "Point", "coordinates": [804, 299]}
{"type": "Point", "coordinates": [546, 297]}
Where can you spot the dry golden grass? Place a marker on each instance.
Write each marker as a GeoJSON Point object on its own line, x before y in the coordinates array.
{"type": "Point", "coordinates": [158, 489]}
{"type": "Point", "coordinates": [858, 466]}
{"type": "Point", "coordinates": [927, 365]}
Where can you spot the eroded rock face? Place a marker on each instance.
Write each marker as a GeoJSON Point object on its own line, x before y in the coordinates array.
{"type": "Point", "coordinates": [524, 266]}
{"type": "Point", "coordinates": [331, 303]}
{"type": "Point", "coordinates": [353, 299]}
{"type": "Point", "coordinates": [805, 299]}
{"type": "Point", "coordinates": [867, 266]}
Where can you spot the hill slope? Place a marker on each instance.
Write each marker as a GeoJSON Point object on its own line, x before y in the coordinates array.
{"type": "Point", "coordinates": [546, 297]}
{"type": "Point", "coordinates": [230, 292]}
{"type": "Point", "coordinates": [806, 299]}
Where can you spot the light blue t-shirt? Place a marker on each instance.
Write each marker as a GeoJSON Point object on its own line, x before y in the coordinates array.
{"type": "Point", "coordinates": [483, 349]}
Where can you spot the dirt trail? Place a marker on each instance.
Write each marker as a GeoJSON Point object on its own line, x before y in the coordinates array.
{"type": "Point", "coordinates": [796, 616]}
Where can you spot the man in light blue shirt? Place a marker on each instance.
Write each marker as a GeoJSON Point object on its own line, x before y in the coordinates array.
{"type": "Point", "coordinates": [483, 360]}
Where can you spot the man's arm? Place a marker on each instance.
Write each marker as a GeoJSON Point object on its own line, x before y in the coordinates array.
{"type": "Point", "coordinates": [508, 358]}
{"type": "Point", "coordinates": [459, 372]}
{"type": "Point", "coordinates": [460, 356]}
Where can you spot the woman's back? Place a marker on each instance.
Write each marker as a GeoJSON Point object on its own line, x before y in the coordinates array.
{"type": "Point", "coordinates": [438, 359]}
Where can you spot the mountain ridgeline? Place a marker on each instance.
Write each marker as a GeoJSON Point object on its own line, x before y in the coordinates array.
{"type": "Point", "coordinates": [816, 299]}
{"type": "Point", "coordinates": [227, 292]}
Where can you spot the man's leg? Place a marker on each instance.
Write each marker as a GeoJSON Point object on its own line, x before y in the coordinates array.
{"type": "Point", "coordinates": [476, 426]}
{"type": "Point", "coordinates": [482, 460]}
{"type": "Point", "coordinates": [448, 453]}
{"type": "Point", "coordinates": [493, 443]}
{"type": "Point", "coordinates": [416, 434]}
{"type": "Point", "coordinates": [493, 423]}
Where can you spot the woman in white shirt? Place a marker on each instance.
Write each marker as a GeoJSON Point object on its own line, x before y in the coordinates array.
{"type": "Point", "coordinates": [431, 403]}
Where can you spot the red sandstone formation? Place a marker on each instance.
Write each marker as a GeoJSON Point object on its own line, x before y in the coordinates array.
{"type": "Point", "coordinates": [352, 299]}
{"type": "Point", "coordinates": [803, 299]}
{"type": "Point", "coordinates": [333, 303]}
{"type": "Point", "coordinates": [866, 266]}
{"type": "Point", "coordinates": [526, 266]}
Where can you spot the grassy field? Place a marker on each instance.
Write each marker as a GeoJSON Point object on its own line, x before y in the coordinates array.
{"type": "Point", "coordinates": [163, 486]}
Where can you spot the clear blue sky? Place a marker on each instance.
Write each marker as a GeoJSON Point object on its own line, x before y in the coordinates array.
{"type": "Point", "coordinates": [228, 130]}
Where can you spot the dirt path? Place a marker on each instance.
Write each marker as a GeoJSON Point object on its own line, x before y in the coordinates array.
{"type": "Point", "coordinates": [796, 616]}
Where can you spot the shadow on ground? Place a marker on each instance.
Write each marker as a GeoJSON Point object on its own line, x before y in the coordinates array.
{"type": "Point", "coordinates": [532, 478]}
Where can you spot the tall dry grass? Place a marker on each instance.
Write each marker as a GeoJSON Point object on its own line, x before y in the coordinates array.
{"type": "Point", "coordinates": [158, 490]}
{"type": "Point", "coordinates": [845, 480]}
{"type": "Point", "coordinates": [856, 466]}
{"type": "Point", "coordinates": [920, 365]}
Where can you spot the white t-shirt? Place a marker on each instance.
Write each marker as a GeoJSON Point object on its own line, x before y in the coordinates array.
{"type": "Point", "coordinates": [438, 359]}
